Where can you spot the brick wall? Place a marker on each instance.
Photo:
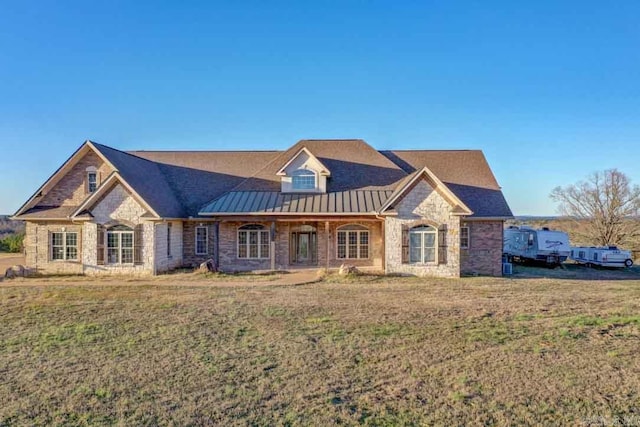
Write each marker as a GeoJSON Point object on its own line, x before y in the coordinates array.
{"type": "Point", "coordinates": [71, 190]}
{"type": "Point", "coordinates": [37, 247]}
{"type": "Point", "coordinates": [376, 246]}
{"type": "Point", "coordinates": [189, 243]}
{"type": "Point", "coordinates": [230, 262]}
{"type": "Point", "coordinates": [163, 261]}
{"type": "Point", "coordinates": [422, 203]}
{"type": "Point", "coordinates": [228, 245]}
{"type": "Point", "coordinates": [484, 255]}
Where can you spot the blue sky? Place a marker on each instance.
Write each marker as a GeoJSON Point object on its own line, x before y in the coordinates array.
{"type": "Point", "coordinates": [549, 90]}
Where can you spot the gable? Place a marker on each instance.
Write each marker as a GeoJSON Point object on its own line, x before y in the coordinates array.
{"type": "Point", "coordinates": [425, 176]}
{"type": "Point", "coordinates": [71, 189]}
{"type": "Point", "coordinates": [304, 159]}
{"type": "Point", "coordinates": [423, 201]}
{"type": "Point", "coordinates": [67, 186]}
{"type": "Point", "coordinates": [118, 204]}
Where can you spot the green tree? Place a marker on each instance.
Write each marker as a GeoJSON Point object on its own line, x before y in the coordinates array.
{"type": "Point", "coordinates": [12, 243]}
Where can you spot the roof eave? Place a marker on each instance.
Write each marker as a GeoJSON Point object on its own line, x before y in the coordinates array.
{"type": "Point", "coordinates": [488, 218]}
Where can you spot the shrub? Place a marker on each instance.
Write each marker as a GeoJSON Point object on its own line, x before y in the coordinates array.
{"type": "Point", "coordinates": [12, 243]}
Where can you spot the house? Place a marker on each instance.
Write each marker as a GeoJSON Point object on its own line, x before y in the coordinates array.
{"type": "Point", "coordinates": [320, 203]}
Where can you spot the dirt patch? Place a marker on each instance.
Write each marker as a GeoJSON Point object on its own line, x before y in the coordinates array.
{"type": "Point", "coordinates": [9, 260]}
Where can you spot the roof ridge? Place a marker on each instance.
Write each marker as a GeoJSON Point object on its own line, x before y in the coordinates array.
{"type": "Point", "coordinates": [439, 149]}
{"type": "Point", "coordinates": [120, 151]}
{"type": "Point", "coordinates": [331, 139]}
{"type": "Point", "coordinates": [201, 151]}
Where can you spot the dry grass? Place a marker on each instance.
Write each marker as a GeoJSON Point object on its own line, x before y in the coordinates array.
{"type": "Point", "coordinates": [362, 350]}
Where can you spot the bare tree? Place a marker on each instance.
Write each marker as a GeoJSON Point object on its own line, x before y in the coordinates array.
{"type": "Point", "coordinates": [605, 206]}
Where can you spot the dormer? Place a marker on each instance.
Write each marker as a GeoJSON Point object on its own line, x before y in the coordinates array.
{"type": "Point", "coordinates": [304, 173]}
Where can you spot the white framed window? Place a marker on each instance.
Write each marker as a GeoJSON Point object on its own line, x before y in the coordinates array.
{"type": "Point", "coordinates": [303, 179]}
{"type": "Point", "coordinates": [464, 237]}
{"type": "Point", "coordinates": [253, 241]}
{"type": "Point", "coordinates": [352, 242]}
{"type": "Point", "coordinates": [423, 244]}
{"type": "Point", "coordinates": [202, 240]}
{"type": "Point", "coordinates": [64, 246]}
{"type": "Point", "coordinates": [92, 179]}
{"type": "Point", "coordinates": [120, 245]}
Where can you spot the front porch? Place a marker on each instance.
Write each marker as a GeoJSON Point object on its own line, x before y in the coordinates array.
{"type": "Point", "coordinates": [300, 243]}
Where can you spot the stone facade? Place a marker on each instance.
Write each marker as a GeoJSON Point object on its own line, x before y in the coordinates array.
{"type": "Point", "coordinates": [422, 205]}
{"type": "Point", "coordinates": [484, 255]}
{"type": "Point", "coordinates": [72, 189]}
{"type": "Point", "coordinates": [119, 207]}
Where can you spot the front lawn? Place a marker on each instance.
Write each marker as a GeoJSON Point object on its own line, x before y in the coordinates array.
{"type": "Point", "coordinates": [373, 351]}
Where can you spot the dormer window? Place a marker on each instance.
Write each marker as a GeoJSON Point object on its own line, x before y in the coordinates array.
{"type": "Point", "coordinates": [92, 179]}
{"type": "Point", "coordinates": [304, 173]}
{"type": "Point", "coordinates": [304, 179]}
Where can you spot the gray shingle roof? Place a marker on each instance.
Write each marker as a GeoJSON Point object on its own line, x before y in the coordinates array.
{"type": "Point", "coordinates": [180, 184]}
{"type": "Point", "coordinates": [353, 163]}
{"type": "Point", "coordinates": [465, 172]}
{"type": "Point", "coordinates": [48, 212]}
{"type": "Point", "coordinates": [147, 179]}
{"type": "Point", "coordinates": [197, 177]}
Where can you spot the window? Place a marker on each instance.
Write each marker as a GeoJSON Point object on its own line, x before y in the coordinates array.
{"type": "Point", "coordinates": [253, 241]}
{"type": "Point", "coordinates": [169, 227]}
{"type": "Point", "coordinates": [202, 239]}
{"type": "Point", "coordinates": [120, 245]}
{"type": "Point", "coordinates": [64, 246]}
{"type": "Point", "coordinates": [92, 179]}
{"type": "Point", "coordinates": [304, 179]}
{"type": "Point", "coordinates": [464, 237]}
{"type": "Point", "coordinates": [422, 244]}
{"type": "Point", "coordinates": [352, 242]}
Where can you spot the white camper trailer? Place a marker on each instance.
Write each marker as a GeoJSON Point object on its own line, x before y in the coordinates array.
{"type": "Point", "coordinates": [543, 245]}
{"type": "Point", "coordinates": [608, 256]}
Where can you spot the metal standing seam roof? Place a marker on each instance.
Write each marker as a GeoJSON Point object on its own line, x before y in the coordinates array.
{"type": "Point", "coordinates": [268, 202]}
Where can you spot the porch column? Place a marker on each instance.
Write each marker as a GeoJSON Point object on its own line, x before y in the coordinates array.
{"type": "Point", "coordinates": [326, 233]}
{"type": "Point", "coordinates": [272, 247]}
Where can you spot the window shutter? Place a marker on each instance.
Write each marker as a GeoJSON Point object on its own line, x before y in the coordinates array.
{"type": "Point", "coordinates": [100, 246]}
{"type": "Point", "coordinates": [405, 244]}
{"type": "Point", "coordinates": [442, 244]}
{"type": "Point", "coordinates": [137, 244]}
